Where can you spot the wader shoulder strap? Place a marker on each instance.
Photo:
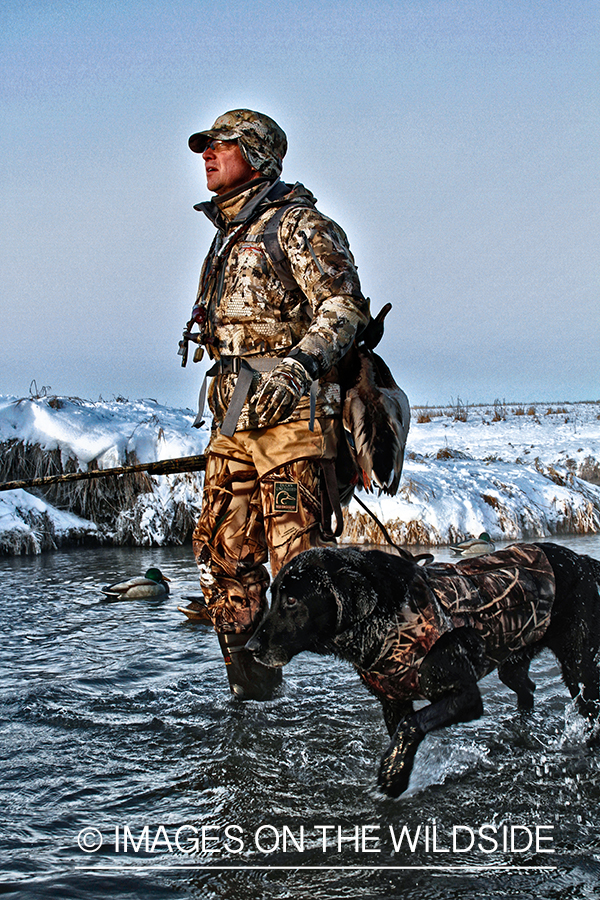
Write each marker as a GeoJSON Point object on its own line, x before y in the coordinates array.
{"type": "Point", "coordinates": [275, 251]}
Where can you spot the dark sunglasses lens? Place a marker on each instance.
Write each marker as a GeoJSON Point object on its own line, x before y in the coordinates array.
{"type": "Point", "coordinates": [216, 145]}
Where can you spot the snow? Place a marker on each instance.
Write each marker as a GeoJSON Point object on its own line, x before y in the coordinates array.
{"type": "Point", "coordinates": [516, 471]}
{"type": "Point", "coordinates": [99, 435]}
{"type": "Point", "coordinates": [24, 517]}
{"type": "Point", "coordinates": [104, 431]}
{"type": "Point", "coordinates": [513, 471]}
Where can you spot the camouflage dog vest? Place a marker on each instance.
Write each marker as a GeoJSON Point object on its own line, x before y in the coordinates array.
{"type": "Point", "coordinates": [506, 597]}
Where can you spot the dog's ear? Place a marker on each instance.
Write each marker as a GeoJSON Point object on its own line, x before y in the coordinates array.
{"type": "Point", "coordinates": [354, 596]}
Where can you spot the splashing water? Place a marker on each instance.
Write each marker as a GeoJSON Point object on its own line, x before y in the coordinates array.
{"type": "Point", "coordinates": [116, 719]}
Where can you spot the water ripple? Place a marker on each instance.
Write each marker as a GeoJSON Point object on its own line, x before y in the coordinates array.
{"type": "Point", "coordinates": [115, 715]}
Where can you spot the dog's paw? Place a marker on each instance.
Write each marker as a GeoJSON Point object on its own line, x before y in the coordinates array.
{"type": "Point", "coordinates": [390, 781]}
{"type": "Point", "coordinates": [397, 762]}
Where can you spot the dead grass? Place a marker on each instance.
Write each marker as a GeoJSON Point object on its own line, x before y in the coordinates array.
{"type": "Point", "coordinates": [99, 501]}
{"type": "Point", "coordinates": [116, 504]}
{"type": "Point", "coordinates": [498, 411]}
{"type": "Point", "coordinates": [425, 414]}
{"type": "Point", "coordinates": [361, 529]}
{"type": "Point", "coordinates": [491, 501]}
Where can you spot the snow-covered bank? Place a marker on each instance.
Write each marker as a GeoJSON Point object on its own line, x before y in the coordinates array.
{"type": "Point", "coordinates": [52, 435]}
{"type": "Point", "coordinates": [513, 471]}
{"type": "Point", "coordinates": [30, 525]}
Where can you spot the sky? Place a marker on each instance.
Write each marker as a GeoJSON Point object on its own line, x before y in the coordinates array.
{"type": "Point", "coordinates": [455, 141]}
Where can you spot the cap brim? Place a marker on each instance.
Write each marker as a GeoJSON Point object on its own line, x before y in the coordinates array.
{"type": "Point", "coordinates": [197, 142]}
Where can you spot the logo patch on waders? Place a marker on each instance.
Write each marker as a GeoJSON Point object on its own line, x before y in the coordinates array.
{"type": "Point", "coordinates": [285, 496]}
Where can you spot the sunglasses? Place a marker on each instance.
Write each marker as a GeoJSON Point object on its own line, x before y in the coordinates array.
{"type": "Point", "coordinates": [218, 146]}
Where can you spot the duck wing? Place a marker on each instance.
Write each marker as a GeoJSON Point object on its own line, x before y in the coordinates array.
{"type": "Point", "coordinates": [135, 587]}
{"type": "Point", "coordinates": [376, 418]}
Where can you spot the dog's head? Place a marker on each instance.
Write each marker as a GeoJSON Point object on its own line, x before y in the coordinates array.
{"type": "Point", "coordinates": [316, 597]}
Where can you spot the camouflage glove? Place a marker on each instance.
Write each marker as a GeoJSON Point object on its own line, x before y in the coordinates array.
{"type": "Point", "coordinates": [286, 384]}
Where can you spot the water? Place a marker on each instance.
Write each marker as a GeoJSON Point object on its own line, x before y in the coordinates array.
{"type": "Point", "coordinates": [115, 717]}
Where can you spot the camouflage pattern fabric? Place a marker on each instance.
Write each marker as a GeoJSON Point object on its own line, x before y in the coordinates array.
{"type": "Point", "coordinates": [506, 597]}
{"type": "Point", "coordinates": [248, 312]}
{"type": "Point", "coordinates": [262, 498]}
{"type": "Point", "coordinates": [262, 494]}
{"type": "Point", "coordinates": [262, 142]}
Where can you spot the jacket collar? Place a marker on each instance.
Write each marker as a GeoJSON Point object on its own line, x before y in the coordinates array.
{"type": "Point", "coordinates": [256, 195]}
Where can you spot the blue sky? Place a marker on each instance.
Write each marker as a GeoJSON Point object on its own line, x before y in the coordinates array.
{"type": "Point", "coordinates": [455, 142]}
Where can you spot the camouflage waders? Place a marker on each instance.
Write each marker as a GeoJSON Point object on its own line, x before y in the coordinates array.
{"type": "Point", "coordinates": [262, 501]}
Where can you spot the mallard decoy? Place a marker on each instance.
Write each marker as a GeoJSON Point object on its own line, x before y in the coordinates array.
{"type": "Point", "coordinates": [197, 610]}
{"type": "Point", "coordinates": [474, 546]}
{"type": "Point", "coordinates": [151, 586]}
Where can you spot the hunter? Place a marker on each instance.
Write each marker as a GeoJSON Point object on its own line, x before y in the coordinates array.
{"type": "Point", "coordinates": [278, 306]}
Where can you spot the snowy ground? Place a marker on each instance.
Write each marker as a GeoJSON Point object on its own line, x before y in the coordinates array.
{"type": "Point", "coordinates": [513, 471]}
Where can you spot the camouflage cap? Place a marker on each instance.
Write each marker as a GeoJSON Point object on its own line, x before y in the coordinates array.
{"type": "Point", "coordinates": [262, 142]}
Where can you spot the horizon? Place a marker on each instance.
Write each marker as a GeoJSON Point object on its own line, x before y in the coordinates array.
{"type": "Point", "coordinates": [456, 405]}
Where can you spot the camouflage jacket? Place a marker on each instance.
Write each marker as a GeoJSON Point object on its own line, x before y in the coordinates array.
{"type": "Point", "coordinates": [506, 597]}
{"type": "Point", "coordinates": [246, 311]}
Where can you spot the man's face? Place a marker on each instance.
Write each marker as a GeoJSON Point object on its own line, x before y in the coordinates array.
{"type": "Point", "coordinates": [225, 167]}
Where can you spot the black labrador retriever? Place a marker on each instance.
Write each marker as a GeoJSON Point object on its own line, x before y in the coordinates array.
{"type": "Point", "coordinates": [431, 632]}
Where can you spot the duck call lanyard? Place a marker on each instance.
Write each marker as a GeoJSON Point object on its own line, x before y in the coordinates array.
{"type": "Point", "coordinates": [214, 272]}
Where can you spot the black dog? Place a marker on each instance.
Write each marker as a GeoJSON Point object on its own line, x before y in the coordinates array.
{"type": "Point", "coordinates": [431, 632]}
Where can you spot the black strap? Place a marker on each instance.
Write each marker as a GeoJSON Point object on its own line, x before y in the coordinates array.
{"type": "Point", "coordinates": [275, 251]}
{"type": "Point", "coordinates": [420, 557]}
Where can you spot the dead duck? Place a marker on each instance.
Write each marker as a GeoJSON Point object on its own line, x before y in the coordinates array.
{"type": "Point", "coordinates": [474, 546]}
{"type": "Point", "coordinates": [151, 586]}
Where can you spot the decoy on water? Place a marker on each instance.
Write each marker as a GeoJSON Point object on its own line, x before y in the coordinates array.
{"type": "Point", "coordinates": [474, 546]}
{"type": "Point", "coordinates": [151, 586]}
{"type": "Point", "coordinates": [197, 610]}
